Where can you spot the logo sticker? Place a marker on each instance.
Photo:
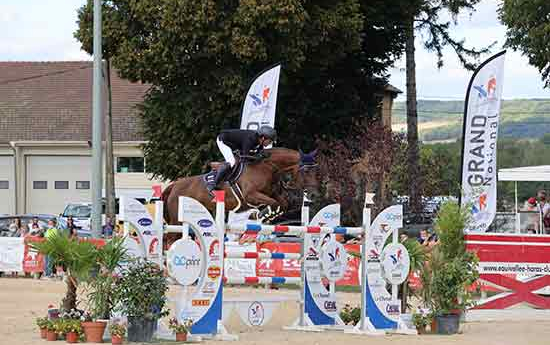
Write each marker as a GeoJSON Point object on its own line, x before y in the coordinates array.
{"type": "Point", "coordinates": [145, 222]}
{"type": "Point", "coordinates": [256, 314]}
{"type": "Point", "coordinates": [205, 223]}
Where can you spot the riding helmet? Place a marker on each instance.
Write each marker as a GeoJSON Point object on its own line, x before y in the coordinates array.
{"type": "Point", "coordinates": [268, 132]}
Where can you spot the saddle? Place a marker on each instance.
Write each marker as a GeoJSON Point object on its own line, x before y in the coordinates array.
{"type": "Point", "coordinates": [232, 176]}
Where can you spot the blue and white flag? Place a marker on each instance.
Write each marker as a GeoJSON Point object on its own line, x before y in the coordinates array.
{"type": "Point", "coordinates": [479, 150]}
{"type": "Point", "coordinates": [261, 100]}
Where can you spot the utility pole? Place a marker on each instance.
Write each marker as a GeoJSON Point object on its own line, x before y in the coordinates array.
{"type": "Point", "coordinates": [97, 124]}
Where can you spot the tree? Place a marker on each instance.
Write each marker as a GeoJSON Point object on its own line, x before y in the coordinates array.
{"type": "Point", "coordinates": [424, 16]}
{"type": "Point", "coordinates": [200, 57]}
{"type": "Point", "coordinates": [528, 25]}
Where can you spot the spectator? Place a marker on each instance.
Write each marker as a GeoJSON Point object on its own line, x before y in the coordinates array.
{"type": "Point", "coordinates": [35, 228]}
{"type": "Point", "coordinates": [403, 237]}
{"type": "Point", "coordinates": [544, 209]}
{"type": "Point", "coordinates": [51, 231]}
{"type": "Point", "coordinates": [16, 228]}
{"type": "Point", "coordinates": [423, 237]}
{"type": "Point", "coordinates": [533, 218]}
{"type": "Point", "coordinates": [108, 228]}
{"type": "Point", "coordinates": [73, 233]}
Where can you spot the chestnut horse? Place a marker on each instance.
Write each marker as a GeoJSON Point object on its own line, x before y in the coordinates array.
{"type": "Point", "coordinates": [259, 183]}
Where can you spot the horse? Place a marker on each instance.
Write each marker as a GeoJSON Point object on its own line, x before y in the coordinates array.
{"type": "Point", "coordinates": [260, 184]}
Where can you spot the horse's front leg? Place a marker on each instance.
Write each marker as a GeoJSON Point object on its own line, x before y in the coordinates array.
{"type": "Point", "coordinates": [273, 209]}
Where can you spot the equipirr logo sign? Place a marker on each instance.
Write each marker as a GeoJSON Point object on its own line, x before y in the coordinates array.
{"type": "Point", "coordinates": [180, 260]}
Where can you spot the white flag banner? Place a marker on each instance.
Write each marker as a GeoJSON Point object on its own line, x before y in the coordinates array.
{"type": "Point", "coordinates": [261, 100]}
{"type": "Point", "coordinates": [12, 251]}
{"type": "Point", "coordinates": [479, 151]}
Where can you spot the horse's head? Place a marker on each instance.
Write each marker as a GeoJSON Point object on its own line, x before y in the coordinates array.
{"type": "Point", "coordinates": [308, 174]}
{"type": "Point", "coordinates": [298, 170]}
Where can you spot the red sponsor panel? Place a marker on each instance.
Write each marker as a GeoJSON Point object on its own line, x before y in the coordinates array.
{"type": "Point", "coordinates": [351, 275]}
{"type": "Point", "coordinates": [33, 262]}
{"type": "Point", "coordinates": [292, 267]}
{"type": "Point", "coordinates": [278, 267]}
{"type": "Point", "coordinates": [516, 265]}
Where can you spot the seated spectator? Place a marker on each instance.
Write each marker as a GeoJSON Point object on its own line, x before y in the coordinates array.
{"type": "Point", "coordinates": [403, 237]}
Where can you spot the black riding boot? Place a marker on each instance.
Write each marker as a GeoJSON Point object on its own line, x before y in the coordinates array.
{"type": "Point", "coordinates": [221, 173]}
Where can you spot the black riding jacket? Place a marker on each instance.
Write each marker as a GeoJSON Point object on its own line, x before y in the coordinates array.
{"type": "Point", "coordinates": [243, 140]}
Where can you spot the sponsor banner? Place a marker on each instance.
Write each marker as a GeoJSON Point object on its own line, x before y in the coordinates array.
{"type": "Point", "coordinates": [479, 151]}
{"type": "Point", "coordinates": [136, 213]}
{"type": "Point", "coordinates": [184, 261]}
{"type": "Point", "coordinates": [261, 100]}
{"type": "Point", "coordinates": [12, 251]}
{"type": "Point", "coordinates": [278, 267]}
{"type": "Point", "coordinates": [33, 261]}
{"type": "Point", "coordinates": [240, 268]}
{"type": "Point", "coordinates": [395, 263]}
{"type": "Point", "coordinates": [514, 268]}
{"type": "Point", "coordinates": [334, 260]}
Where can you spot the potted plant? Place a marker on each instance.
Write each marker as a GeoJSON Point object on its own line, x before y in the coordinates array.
{"type": "Point", "coordinates": [101, 288]}
{"type": "Point", "coordinates": [350, 315]}
{"type": "Point", "coordinates": [93, 328]}
{"type": "Point", "coordinates": [76, 258]}
{"type": "Point", "coordinates": [118, 331]}
{"type": "Point", "coordinates": [421, 321]}
{"type": "Point", "coordinates": [451, 270]}
{"type": "Point", "coordinates": [181, 329]}
{"type": "Point", "coordinates": [141, 295]}
{"type": "Point", "coordinates": [72, 329]}
{"type": "Point", "coordinates": [42, 323]}
{"type": "Point", "coordinates": [51, 326]}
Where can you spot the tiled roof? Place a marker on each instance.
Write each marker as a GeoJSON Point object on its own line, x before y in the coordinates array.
{"type": "Point", "coordinates": [53, 101]}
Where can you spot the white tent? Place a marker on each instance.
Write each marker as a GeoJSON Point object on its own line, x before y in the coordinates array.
{"type": "Point", "coordinates": [539, 173]}
{"type": "Point", "coordinates": [534, 173]}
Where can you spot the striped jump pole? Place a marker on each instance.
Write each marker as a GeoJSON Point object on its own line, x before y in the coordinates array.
{"type": "Point", "coordinates": [255, 255]}
{"type": "Point", "coordinates": [261, 280]}
{"type": "Point", "coordinates": [264, 229]}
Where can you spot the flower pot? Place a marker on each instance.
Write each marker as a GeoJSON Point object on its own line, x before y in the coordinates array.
{"type": "Point", "coordinates": [116, 340]}
{"type": "Point", "coordinates": [448, 324]}
{"type": "Point", "coordinates": [94, 331]}
{"type": "Point", "coordinates": [181, 336]}
{"type": "Point", "coordinates": [71, 337]}
{"type": "Point", "coordinates": [43, 333]}
{"type": "Point", "coordinates": [433, 325]}
{"type": "Point", "coordinates": [141, 329]}
{"type": "Point", "coordinates": [51, 336]}
{"type": "Point", "coordinates": [421, 329]}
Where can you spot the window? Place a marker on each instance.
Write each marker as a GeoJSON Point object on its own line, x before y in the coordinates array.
{"type": "Point", "coordinates": [40, 184]}
{"type": "Point", "coordinates": [61, 185]}
{"type": "Point", "coordinates": [4, 184]}
{"type": "Point", "coordinates": [82, 184]}
{"type": "Point", "coordinates": [130, 165]}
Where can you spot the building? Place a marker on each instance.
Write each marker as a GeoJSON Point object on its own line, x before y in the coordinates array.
{"type": "Point", "coordinates": [45, 135]}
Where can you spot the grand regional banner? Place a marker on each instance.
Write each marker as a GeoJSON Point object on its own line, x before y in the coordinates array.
{"type": "Point", "coordinates": [479, 151]}
{"type": "Point", "coordinates": [261, 100]}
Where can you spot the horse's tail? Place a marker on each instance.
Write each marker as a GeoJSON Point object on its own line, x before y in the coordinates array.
{"type": "Point", "coordinates": [164, 197]}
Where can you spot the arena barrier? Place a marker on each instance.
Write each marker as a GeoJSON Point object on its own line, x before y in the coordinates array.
{"type": "Point", "coordinates": [188, 263]}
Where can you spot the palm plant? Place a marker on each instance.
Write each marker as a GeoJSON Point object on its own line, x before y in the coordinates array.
{"type": "Point", "coordinates": [76, 258]}
{"type": "Point", "coordinates": [417, 256]}
{"type": "Point", "coordinates": [100, 296]}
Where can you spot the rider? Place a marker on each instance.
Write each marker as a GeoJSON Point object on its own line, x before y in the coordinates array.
{"type": "Point", "coordinates": [246, 142]}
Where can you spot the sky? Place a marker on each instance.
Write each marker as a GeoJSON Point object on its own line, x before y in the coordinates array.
{"type": "Point", "coordinates": [42, 30]}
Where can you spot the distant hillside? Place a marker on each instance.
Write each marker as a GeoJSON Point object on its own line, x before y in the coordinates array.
{"type": "Point", "coordinates": [442, 120]}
